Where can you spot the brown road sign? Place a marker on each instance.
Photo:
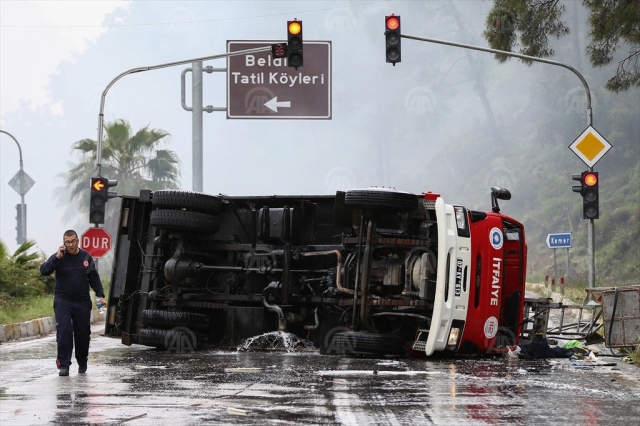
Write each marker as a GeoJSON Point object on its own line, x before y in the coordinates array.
{"type": "Point", "coordinates": [262, 87]}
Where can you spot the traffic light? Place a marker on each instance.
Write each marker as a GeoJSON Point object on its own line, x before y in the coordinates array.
{"type": "Point", "coordinates": [577, 188]}
{"type": "Point", "coordinates": [392, 37]}
{"type": "Point", "coordinates": [21, 216]}
{"type": "Point", "coordinates": [590, 196]}
{"type": "Point", "coordinates": [99, 196]}
{"type": "Point", "coordinates": [294, 40]}
{"type": "Point", "coordinates": [589, 190]}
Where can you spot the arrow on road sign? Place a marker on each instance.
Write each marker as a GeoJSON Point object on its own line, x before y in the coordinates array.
{"type": "Point", "coordinates": [273, 104]}
{"type": "Point", "coordinates": [255, 80]}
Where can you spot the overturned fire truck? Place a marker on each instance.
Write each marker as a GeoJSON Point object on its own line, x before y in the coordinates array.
{"type": "Point", "coordinates": [373, 271]}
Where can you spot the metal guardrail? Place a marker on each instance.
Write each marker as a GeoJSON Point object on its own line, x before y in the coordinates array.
{"type": "Point", "coordinates": [586, 326]}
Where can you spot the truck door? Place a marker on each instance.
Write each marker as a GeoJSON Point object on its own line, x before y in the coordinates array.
{"type": "Point", "coordinates": [513, 283]}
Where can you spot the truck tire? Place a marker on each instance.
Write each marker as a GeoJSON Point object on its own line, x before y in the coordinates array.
{"type": "Point", "coordinates": [194, 201]}
{"type": "Point", "coordinates": [367, 343]}
{"type": "Point", "coordinates": [180, 340]}
{"type": "Point", "coordinates": [170, 319]}
{"type": "Point", "coordinates": [184, 220]}
{"type": "Point", "coordinates": [381, 198]}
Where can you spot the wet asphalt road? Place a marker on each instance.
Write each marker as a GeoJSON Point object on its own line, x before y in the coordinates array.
{"type": "Point", "coordinates": [139, 386]}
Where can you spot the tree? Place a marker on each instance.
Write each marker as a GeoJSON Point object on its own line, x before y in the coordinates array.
{"type": "Point", "coordinates": [526, 25]}
{"type": "Point", "coordinates": [20, 257]}
{"type": "Point", "coordinates": [132, 159]}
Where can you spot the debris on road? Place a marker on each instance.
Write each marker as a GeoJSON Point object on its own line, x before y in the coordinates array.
{"type": "Point", "coordinates": [244, 370]}
{"type": "Point", "coordinates": [238, 411]}
{"type": "Point", "coordinates": [133, 418]}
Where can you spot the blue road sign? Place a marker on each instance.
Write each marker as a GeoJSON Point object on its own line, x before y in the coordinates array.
{"type": "Point", "coordinates": [559, 240]}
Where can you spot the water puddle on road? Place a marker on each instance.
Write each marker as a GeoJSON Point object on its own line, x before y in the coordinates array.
{"type": "Point", "coordinates": [276, 340]}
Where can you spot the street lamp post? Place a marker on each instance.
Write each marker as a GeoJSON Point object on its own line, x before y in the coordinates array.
{"type": "Point", "coordinates": [22, 185]}
{"type": "Point", "coordinates": [198, 169]}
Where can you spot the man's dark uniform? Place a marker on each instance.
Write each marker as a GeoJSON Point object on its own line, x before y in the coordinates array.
{"type": "Point", "coordinates": [72, 304]}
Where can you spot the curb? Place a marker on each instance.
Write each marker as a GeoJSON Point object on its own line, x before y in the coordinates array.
{"type": "Point", "coordinates": [36, 328]}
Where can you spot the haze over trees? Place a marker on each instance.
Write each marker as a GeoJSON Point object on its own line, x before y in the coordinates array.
{"type": "Point", "coordinates": [614, 32]}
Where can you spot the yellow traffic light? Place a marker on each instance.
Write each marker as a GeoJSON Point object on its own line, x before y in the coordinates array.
{"type": "Point", "coordinates": [294, 27]}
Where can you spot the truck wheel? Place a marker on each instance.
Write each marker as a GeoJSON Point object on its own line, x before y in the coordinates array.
{"type": "Point", "coordinates": [381, 198]}
{"type": "Point", "coordinates": [178, 340]}
{"type": "Point", "coordinates": [367, 343]}
{"type": "Point", "coordinates": [170, 319]}
{"type": "Point", "coordinates": [195, 201]}
{"type": "Point", "coordinates": [184, 220]}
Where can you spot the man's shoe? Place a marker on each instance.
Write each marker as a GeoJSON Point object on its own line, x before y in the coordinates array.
{"type": "Point", "coordinates": [64, 371]}
{"type": "Point", "coordinates": [82, 369]}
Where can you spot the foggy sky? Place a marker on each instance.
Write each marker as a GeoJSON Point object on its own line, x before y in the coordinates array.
{"type": "Point", "coordinates": [388, 122]}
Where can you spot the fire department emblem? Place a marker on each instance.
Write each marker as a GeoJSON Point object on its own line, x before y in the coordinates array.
{"type": "Point", "coordinates": [491, 327]}
{"type": "Point", "coordinates": [86, 263]}
{"type": "Point", "coordinates": [495, 236]}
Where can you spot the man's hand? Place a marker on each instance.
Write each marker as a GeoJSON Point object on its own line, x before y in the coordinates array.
{"type": "Point", "coordinates": [60, 252]}
{"type": "Point", "coordinates": [102, 301]}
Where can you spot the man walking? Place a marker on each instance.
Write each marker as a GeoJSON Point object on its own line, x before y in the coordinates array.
{"type": "Point", "coordinates": [75, 272]}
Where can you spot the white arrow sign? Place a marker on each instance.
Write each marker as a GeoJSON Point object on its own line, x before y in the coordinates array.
{"type": "Point", "coordinates": [273, 104]}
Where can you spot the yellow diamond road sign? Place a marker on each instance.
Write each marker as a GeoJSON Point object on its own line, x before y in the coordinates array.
{"type": "Point", "coordinates": [590, 146]}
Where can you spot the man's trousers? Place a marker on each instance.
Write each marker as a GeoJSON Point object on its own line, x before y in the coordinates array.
{"type": "Point", "coordinates": [73, 323]}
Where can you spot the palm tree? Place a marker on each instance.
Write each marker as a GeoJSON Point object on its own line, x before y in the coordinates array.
{"type": "Point", "coordinates": [20, 257]}
{"type": "Point", "coordinates": [20, 274]}
{"type": "Point", "coordinates": [127, 157]}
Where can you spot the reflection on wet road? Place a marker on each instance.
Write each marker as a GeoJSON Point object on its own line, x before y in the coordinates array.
{"type": "Point", "coordinates": [140, 386]}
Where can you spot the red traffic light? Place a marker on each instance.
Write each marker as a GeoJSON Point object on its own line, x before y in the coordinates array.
{"type": "Point", "coordinates": [590, 179]}
{"type": "Point", "coordinates": [393, 23]}
{"type": "Point", "coordinates": [392, 38]}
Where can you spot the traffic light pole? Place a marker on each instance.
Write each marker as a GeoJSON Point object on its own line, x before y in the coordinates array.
{"type": "Point", "coordinates": [150, 68]}
{"type": "Point", "coordinates": [591, 250]}
{"type": "Point", "coordinates": [590, 225]}
{"type": "Point", "coordinates": [23, 211]}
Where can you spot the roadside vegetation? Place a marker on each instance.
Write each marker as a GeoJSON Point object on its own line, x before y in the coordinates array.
{"type": "Point", "coordinates": [634, 354]}
{"type": "Point", "coordinates": [574, 292]}
{"type": "Point", "coordinates": [27, 308]}
{"type": "Point", "coordinates": [23, 291]}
